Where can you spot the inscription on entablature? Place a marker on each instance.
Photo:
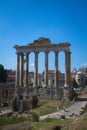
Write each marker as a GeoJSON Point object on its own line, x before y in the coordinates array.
{"type": "Point", "coordinates": [40, 42]}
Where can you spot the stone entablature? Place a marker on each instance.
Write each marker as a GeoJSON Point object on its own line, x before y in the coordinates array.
{"type": "Point", "coordinates": [42, 45]}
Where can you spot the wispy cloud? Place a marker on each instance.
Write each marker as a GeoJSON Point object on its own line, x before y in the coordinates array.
{"type": "Point", "coordinates": [84, 65]}
{"type": "Point", "coordinates": [31, 64]}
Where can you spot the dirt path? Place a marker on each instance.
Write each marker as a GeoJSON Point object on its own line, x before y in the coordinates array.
{"type": "Point", "coordinates": [70, 112]}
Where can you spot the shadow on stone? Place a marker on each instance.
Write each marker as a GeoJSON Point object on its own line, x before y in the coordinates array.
{"type": "Point", "coordinates": [81, 99]}
{"type": "Point", "coordinates": [57, 128]}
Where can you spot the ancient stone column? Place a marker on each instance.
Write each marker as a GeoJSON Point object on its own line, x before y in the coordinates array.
{"type": "Point", "coordinates": [17, 71]}
{"type": "Point", "coordinates": [27, 68]}
{"type": "Point", "coordinates": [56, 70]}
{"type": "Point", "coordinates": [36, 70]}
{"type": "Point", "coordinates": [46, 69]}
{"type": "Point", "coordinates": [67, 69]}
{"type": "Point", "coordinates": [22, 69]}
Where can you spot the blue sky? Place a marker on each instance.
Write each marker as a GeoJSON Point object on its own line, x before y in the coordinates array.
{"type": "Point", "coordinates": [23, 21]}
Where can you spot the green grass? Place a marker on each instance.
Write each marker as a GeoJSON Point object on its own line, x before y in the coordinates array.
{"type": "Point", "coordinates": [50, 106]}
{"type": "Point", "coordinates": [67, 124]}
{"type": "Point", "coordinates": [11, 120]}
{"type": "Point", "coordinates": [50, 123]}
{"type": "Point", "coordinates": [81, 124]}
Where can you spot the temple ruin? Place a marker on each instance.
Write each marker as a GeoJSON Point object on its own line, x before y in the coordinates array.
{"type": "Point", "coordinates": [42, 45]}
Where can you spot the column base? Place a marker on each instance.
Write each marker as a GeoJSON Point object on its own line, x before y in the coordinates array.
{"type": "Point", "coordinates": [66, 86]}
{"type": "Point", "coordinates": [66, 92]}
{"type": "Point", "coordinates": [35, 86]}
{"type": "Point", "coordinates": [56, 86]}
{"type": "Point", "coordinates": [45, 86]}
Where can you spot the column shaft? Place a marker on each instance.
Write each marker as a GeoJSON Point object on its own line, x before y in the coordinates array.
{"type": "Point", "coordinates": [67, 69]}
{"type": "Point", "coordinates": [22, 70]}
{"type": "Point", "coordinates": [17, 70]}
{"type": "Point", "coordinates": [46, 68]}
{"type": "Point", "coordinates": [27, 68]}
{"type": "Point", "coordinates": [56, 70]}
{"type": "Point", "coordinates": [36, 70]}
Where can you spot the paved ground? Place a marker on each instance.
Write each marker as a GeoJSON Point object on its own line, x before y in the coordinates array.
{"type": "Point", "coordinates": [70, 112]}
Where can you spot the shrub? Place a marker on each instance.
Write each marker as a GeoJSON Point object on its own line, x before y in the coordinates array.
{"type": "Point", "coordinates": [35, 117]}
{"type": "Point", "coordinates": [15, 104]}
{"type": "Point", "coordinates": [5, 104]}
{"type": "Point", "coordinates": [34, 101]}
{"type": "Point", "coordinates": [57, 128]}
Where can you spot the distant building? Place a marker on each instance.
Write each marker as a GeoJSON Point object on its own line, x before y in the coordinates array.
{"type": "Point", "coordinates": [7, 92]}
{"type": "Point", "coordinates": [61, 78]}
{"type": "Point", "coordinates": [80, 76]}
{"type": "Point", "coordinates": [11, 76]}
{"type": "Point", "coordinates": [31, 77]}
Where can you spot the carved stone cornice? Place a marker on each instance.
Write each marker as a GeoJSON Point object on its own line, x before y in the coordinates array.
{"type": "Point", "coordinates": [42, 45]}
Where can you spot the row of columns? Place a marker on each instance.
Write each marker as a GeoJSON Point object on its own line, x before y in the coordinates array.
{"type": "Point", "coordinates": [20, 69]}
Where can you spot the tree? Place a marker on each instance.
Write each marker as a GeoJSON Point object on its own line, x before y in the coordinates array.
{"type": "Point", "coordinates": [86, 82]}
{"type": "Point", "coordinates": [34, 101]}
{"type": "Point", "coordinates": [73, 82]}
{"type": "Point", "coordinates": [72, 93]}
{"type": "Point", "coordinates": [3, 74]}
